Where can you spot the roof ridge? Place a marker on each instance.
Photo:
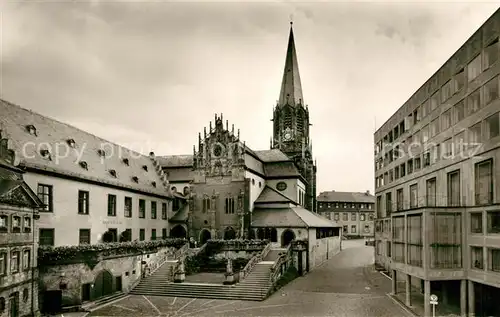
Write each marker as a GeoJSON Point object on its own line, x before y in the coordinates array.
{"type": "Point", "coordinates": [298, 215]}
{"type": "Point", "coordinates": [70, 126]}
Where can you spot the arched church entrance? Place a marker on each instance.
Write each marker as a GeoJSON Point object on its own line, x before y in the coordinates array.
{"type": "Point", "coordinates": [229, 233]}
{"type": "Point", "coordinates": [178, 232]}
{"type": "Point", "coordinates": [287, 237]}
{"type": "Point", "coordinates": [205, 235]}
{"type": "Point", "coordinates": [103, 284]}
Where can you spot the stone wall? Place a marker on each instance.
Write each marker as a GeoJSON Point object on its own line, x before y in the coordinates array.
{"type": "Point", "coordinates": [71, 278]}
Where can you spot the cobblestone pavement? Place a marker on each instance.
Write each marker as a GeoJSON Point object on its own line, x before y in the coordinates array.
{"type": "Point", "coordinates": [345, 285]}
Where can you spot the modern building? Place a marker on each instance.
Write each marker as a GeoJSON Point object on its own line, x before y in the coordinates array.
{"type": "Point", "coordinates": [353, 211]}
{"type": "Point", "coordinates": [93, 190]}
{"type": "Point", "coordinates": [437, 163]}
{"type": "Point", "coordinates": [18, 243]}
{"type": "Point", "coordinates": [233, 191]}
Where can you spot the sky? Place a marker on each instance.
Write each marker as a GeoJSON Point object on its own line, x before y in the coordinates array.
{"type": "Point", "coordinates": [150, 75]}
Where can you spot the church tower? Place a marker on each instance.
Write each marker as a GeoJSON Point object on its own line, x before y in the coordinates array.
{"type": "Point", "coordinates": [291, 123]}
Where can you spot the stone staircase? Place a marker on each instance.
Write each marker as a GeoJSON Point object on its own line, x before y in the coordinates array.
{"type": "Point", "coordinates": [274, 253]}
{"type": "Point", "coordinates": [254, 288]}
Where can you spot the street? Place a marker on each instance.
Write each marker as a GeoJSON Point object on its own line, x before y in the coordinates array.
{"type": "Point", "coordinates": [345, 285]}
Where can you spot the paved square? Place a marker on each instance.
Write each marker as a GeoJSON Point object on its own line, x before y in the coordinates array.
{"type": "Point", "coordinates": [345, 285]}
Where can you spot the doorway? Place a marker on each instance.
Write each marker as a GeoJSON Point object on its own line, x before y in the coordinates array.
{"type": "Point", "coordinates": [103, 284]}
{"type": "Point", "coordinates": [287, 237]}
{"type": "Point", "coordinates": [205, 236]}
{"type": "Point", "coordinates": [178, 232]}
{"type": "Point", "coordinates": [14, 305]}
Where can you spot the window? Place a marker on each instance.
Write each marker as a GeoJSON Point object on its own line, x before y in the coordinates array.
{"type": "Point", "coordinates": [206, 204]}
{"type": "Point", "coordinates": [427, 158]}
{"type": "Point", "coordinates": [14, 261]}
{"type": "Point", "coordinates": [447, 148]}
{"type": "Point", "coordinates": [474, 68]}
{"type": "Point", "coordinates": [491, 90]}
{"type": "Point", "coordinates": [446, 120]}
{"type": "Point", "coordinates": [484, 182]}
{"type": "Point", "coordinates": [494, 260]}
{"type": "Point", "coordinates": [431, 192]}
{"type": "Point", "coordinates": [492, 126]}
{"type": "Point", "coordinates": [413, 196]}
{"type": "Point", "coordinates": [388, 248]}
{"type": "Point", "coordinates": [16, 224]}
{"type": "Point", "coordinates": [370, 216]}
{"type": "Point", "coordinates": [399, 199]}
{"type": "Point", "coordinates": [473, 102]}
{"type": "Point", "coordinates": [416, 115]}
{"type": "Point", "coordinates": [353, 229]}
{"type": "Point", "coordinates": [229, 205]}
{"type": "Point", "coordinates": [111, 205]}
{"type": "Point", "coordinates": [345, 216]}
{"type": "Point", "coordinates": [4, 221]}
{"type": "Point", "coordinates": [142, 208]}
{"type": "Point", "coordinates": [83, 202]}
{"type": "Point", "coordinates": [128, 207]}
{"type": "Point", "coordinates": [425, 108]}
{"type": "Point", "coordinates": [46, 236]}
{"type": "Point", "coordinates": [493, 218]}
{"type": "Point", "coordinates": [417, 163]}
{"type": "Point", "coordinates": [164, 211]}
{"type": "Point", "coordinates": [474, 137]}
{"type": "Point", "coordinates": [425, 134]}
{"type": "Point", "coordinates": [84, 236]}
{"type": "Point", "coordinates": [126, 235]}
{"type": "Point", "coordinates": [344, 229]}
{"type": "Point", "coordinates": [490, 54]}
{"type": "Point", "coordinates": [476, 222]}
{"type": "Point", "coordinates": [459, 80]}
{"type": "Point", "coordinates": [435, 101]}
{"type": "Point", "coordinates": [435, 127]}
{"type": "Point", "coordinates": [142, 234]}
{"type": "Point", "coordinates": [336, 216]}
{"type": "Point", "coordinates": [454, 188]}
{"type": "Point", "coordinates": [153, 234]}
{"type": "Point", "coordinates": [3, 263]}
{"type": "Point", "coordinates": [176, 204]}
{"type": "Point", "coordinates": [477, 258]}
{"type": "Point", "coordinates": [27, 224]}
{"type": "Point", "coordinates": [362, 217]}
{"type": "Point", "coordinates": [459, 143]}
{"type": "Point", "coordinates": [26, 260]}
{"type": "Point", "coordinates": [353, 216]}
{"type": "Point", "coordinates": [446, 91]}
{"type": "Point", "coordinates": [153, 210]}
{"type": "Point", "coordinates": [44, 192]}
{"type": "Point", "coordinates": [388, 203]}
{"type": "Point", "coordinates": [459, 112]}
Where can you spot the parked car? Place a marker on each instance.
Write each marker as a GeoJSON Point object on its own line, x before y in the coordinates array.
{"type": "Point", "coordinates": [370, 242]}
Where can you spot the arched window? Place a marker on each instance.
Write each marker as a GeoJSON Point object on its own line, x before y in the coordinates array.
{"type": "Point", "coordinates": [300, 121]}
{"type": "Point", "coordinates": [288, 117]}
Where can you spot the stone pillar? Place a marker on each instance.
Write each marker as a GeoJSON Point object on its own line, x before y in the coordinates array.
{"type": "Point", "coordinates": [229, 273]}
{"type": "Point", "coordinates": [471, 300]}
{"type": "Point", "coordinates": [408, 290]}
{"type": "Point", "coordinates": [463, 298]}
{"type": "Point", "coordinates": [180, 274]}
{"type": "Point", "coordinates": [394, 282]}
{"type": "Point", "coordinates": [427, 298]}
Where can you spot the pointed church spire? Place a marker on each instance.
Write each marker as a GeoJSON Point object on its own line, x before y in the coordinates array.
{"type": "Point", "coordinates": [291, 88]}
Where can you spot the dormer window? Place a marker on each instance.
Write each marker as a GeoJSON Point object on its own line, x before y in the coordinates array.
{"type": "Point", "coordinates": [154, 184]}
{"type": "Point", "coordinates": [125, 161]}
{"type": "Point", "coordinates": [145, 167]}
{"type": "Point", "coordinates": [16, 224]}
{"type": "Point", "coordinates": [101, 152]}
{"type": "Point", "coordinates": [84, 165]}
{"type": "Point", "coordinates": [71, 143]}
{"type": "Point", "coordinates": [135, 179]}
{"type": "Point", "coordinates": [45, 154]}
{"type": "Point", "coordinates": [31, 129]}
{"type": "Point", "coordinates": [112, 172]}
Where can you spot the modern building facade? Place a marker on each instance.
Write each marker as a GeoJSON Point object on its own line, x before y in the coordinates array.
{"type": "Point", "coordinates": [18, 241]}
{"type": "Point", "coordinates": [353, 211]}
{"type": "Point", "coordinates": [437, 163]}
{"type": "Point", "coordinates": [93, 190]}
{"type": "Point", "coordinates": [232, 191]}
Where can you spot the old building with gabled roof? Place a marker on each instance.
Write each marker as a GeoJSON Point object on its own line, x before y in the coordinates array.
{"type": "Point", "coordinates": [93, 190]}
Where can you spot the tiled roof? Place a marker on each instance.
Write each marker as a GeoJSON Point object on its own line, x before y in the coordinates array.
{"type": "Point", "coordinates": [118, 167]}
{"type": "Point", "coordinates": [270, 195]}
{"type": "Point", "coordinates": [273, 155]}
{"type": "Point", "coordinates": [281, 169]}
{"type": "Point", "coordinates": [175, 160]}
{"type": "Point", "coordinates": [334, 196]}
{"type": "Point", "coordinates": [289, 217]}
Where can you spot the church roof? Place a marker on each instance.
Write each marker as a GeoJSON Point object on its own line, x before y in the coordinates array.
{"type": "Point", "coordinates": [170, 161]}
{"type": "Point", "coordinates": [274, 155]}
{"type": "Point", "coordinates": [281, 169]}
{"type": "Point", "coordinates": [291, 87]}
{"type": "Point", "coordinates": [297, 217]}
{"type": "Point", "coordinates": [48, 145]}
{"type": "Point", "coordinates": [270, 195]}
{"type": "Point", "coordinates": [348, 197]}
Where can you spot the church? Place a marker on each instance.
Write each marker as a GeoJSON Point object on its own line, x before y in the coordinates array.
{"type": "Point", "coordinates": [226, 190]}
